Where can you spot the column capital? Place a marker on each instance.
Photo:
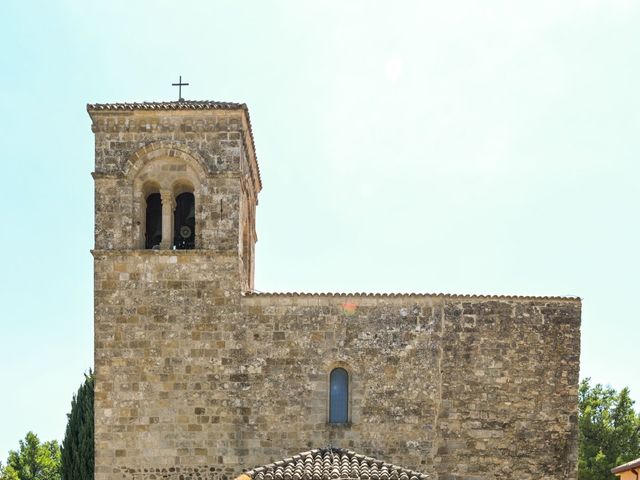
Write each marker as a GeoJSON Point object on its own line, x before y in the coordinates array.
{"type": "Point", "coordinates": [167, 198]}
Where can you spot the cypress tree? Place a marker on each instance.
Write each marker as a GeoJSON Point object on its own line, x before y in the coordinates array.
{"type": "Point", "coordinates": [78, 444]}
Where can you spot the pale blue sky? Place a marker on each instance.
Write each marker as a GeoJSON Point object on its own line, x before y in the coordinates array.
{"type": "Point", "coordinates": [428, 146]}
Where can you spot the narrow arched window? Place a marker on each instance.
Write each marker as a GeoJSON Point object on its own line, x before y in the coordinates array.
{"type": "Point", "coordinates": [184, 216]}
{"type": "Point", "coordinates": [338, 396]}
{"type": "Point", "coordinates": [153, 219]}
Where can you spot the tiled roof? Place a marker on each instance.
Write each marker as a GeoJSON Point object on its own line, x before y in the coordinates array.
{"type": "Point", "coordinates": [633, 464]}
{"type": "Point", "coordinates": [409, 295]}
{"type": "Point", "coordinates": [332, 464]}
{"type": "Point", "coordinates": [180, 105]}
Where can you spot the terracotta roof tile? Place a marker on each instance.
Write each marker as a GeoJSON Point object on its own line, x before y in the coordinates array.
{"type": "Point", "coordinates": [408, 295]}
{"type": "Point", "coordinates": [182, 105]}
{"type": "Point", "coordinates": [332, 464]}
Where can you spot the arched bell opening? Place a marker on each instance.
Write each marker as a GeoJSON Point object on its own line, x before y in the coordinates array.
{"type": "Point", "coordinates": [153, 221]}
{"type": "Point", "coordinates": [184, 216]}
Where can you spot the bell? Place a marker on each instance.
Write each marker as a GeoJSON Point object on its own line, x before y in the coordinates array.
{"type": "Point", "coordinates": [185, 231]}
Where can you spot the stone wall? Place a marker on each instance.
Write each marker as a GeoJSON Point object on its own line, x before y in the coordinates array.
{"type": "Point", "coordinates": [193, 375]}
{"type": "Point", "coordinates": [165, 323]}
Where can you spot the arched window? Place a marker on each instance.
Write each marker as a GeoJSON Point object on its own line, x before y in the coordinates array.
{"type": "Point", "coordinates": [184, 218]}
{"type": "Point", "coordinates": [153, 225]}
{"type": "Point", "coordinates": [338, 396]}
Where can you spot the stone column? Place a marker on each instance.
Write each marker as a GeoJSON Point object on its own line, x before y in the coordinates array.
{"type": "Point", "coordinates": [168, 206]}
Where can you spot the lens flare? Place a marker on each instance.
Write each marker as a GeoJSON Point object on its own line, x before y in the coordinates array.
{"type": "Point", "coordinates": [349, 308]}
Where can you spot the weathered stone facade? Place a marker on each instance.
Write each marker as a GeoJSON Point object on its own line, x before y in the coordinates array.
{"type": "Point", "coordinates": [197, 377]}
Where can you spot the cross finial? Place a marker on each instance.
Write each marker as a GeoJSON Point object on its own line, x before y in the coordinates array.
{"type": "Point", "coordinates": [180, 85]}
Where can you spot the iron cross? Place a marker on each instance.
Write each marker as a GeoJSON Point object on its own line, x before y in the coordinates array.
{"type": "Point", "coordinates": [180, 85]}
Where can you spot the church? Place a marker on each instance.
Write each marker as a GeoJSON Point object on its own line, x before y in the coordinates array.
{"type": "Point", "coordinates": [198, 376]}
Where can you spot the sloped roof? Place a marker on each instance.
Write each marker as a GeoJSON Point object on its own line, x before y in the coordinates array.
{"type": "Point", "coordinates": [331, 464]}
{"type": "Point", "coordinates": [632, 465]}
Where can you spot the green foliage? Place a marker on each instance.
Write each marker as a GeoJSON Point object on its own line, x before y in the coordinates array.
{"type": "Point", "coordinates": [609, 431]}
{"type": "Point", "coordinates": [33, 461]}
{"type": "Point", "coordinates": [78, 444]}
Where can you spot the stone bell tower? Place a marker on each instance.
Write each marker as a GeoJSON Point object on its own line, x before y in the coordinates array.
{"type": "Point", "coordinates": [176, 188]}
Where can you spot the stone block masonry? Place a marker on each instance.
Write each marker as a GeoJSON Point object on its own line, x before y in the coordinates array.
{"type": "Point", "coordinates": [199, 377]}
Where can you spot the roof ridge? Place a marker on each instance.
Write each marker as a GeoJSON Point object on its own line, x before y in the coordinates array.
{"type": "Point", "coordinates": [254, 470]}
{"type": "Point", "coordinates": [172, 103]}
{"type": "Point", "coordinates": [313, 459]}
{"type": "Point", "coordinates": [254, 293]}
{"type": "Point", "coordinates": [369, 458]}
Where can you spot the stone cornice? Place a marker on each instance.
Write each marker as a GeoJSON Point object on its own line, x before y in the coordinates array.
{"type": "Point", "coordinates": [121, 175]}
{"type": "Point", "coordinates": [163, 253]}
